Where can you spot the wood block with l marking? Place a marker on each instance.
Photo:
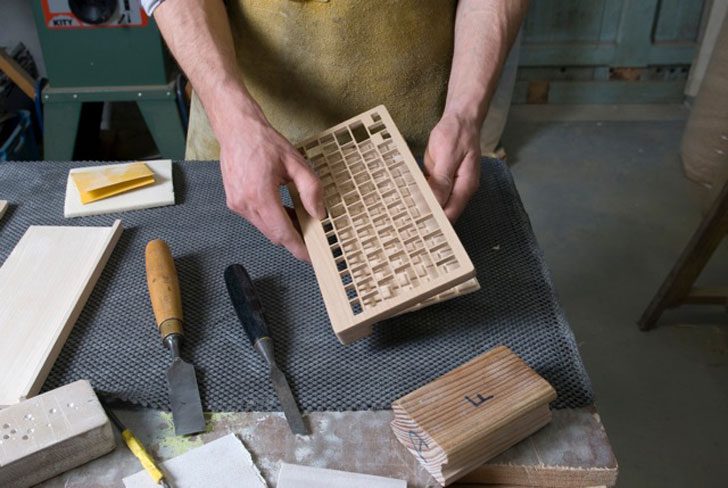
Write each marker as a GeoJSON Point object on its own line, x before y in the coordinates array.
{"type": "Point", "coordinates": [52, 433]}
{"type": "Point", "coordinates": [459, 421]}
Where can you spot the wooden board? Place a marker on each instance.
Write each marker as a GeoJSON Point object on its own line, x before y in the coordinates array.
{"type": "Point", "coordinates": [44, 284]}
{"type": "Point", "coordinates": [385, 245]}
{"type": "Point", "coordinates": [471, 414]}
{"type": "Point", "coordinates": [160, 194]}
{"type": "Point", "coordinates": [52, 433]}
{"type": "Point", "coordinates": [295, 476]}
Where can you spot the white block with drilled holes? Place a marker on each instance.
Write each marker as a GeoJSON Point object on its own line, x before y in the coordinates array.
{"type": "Point", "coordinates": [52, 433]}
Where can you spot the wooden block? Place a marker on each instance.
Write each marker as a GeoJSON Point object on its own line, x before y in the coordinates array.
{"type": "Point", "coordinates": [385, 245]}
{"type": "Point", "coordinates": [3, 207]}
{"type": "Point", "coordinates": [44, 284]}
{"type": "Point", "coordinates": [159, 194]}
{"type": "Point", "coordinates": [52, 433]}
{"type": "Point", "coordinates": [295, 476]}
{"type": "Point", "coordinates": [458, 422]}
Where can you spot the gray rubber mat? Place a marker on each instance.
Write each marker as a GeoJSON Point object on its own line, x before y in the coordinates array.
{"type": "Point", "coordinates": [115, 342]}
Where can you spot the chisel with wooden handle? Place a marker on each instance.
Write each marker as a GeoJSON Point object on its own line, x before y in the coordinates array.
{"type": "Point", "coordinates": [249, 311]}
{"type": "Point", "coordinates": [167, 305]}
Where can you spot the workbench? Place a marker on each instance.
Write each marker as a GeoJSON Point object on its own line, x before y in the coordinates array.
{"type": "Point", "coordinates": [572, 451]}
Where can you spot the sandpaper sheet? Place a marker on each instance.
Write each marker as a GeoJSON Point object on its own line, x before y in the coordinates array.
{"type": "Point", "coordinates": [222, 463]}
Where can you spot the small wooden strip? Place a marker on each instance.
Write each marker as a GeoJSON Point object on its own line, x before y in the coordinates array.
{"type": "Point", "coordinates": [456, 423]}
{"type": "Point", "coordinates": [17, 74]}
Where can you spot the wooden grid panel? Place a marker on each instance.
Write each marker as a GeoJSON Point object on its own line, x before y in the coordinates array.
{"type": "Point", "coordinates": [385, 244]}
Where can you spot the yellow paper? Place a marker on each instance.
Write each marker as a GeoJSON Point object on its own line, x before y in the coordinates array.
{"type": "Point", "coordinates": [103, 183]}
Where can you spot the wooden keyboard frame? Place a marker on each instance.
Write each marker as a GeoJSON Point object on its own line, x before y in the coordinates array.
{"type": "Point", "coordinates": [348, 325]}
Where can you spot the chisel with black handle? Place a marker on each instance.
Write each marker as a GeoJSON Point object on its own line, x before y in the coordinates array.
{"type": "Point", "coordinates": [249, 311]}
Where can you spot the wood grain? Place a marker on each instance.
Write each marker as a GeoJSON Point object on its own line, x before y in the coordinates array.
{"type": "Point", "coordinates": [385, 245]}
{"type": "Point", "coordinates": [44, 284]}
{"type": "Point", "coordinates": [476, 411]}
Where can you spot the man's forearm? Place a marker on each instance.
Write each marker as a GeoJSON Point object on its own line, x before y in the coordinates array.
{"type": "Point", "coordinates": [484, 33]}
{"type": "Point", "coordinates": [198, 34]}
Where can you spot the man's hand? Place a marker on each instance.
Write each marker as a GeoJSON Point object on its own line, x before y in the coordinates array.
{"type": "Point", "coordinates": [452, 163]}
{"type": "Point", "coordinates": [255, 161]}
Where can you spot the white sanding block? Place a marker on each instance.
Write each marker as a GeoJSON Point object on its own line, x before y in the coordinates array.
{"type": "Point", "coordinates": [52, 433]}
{"type": "Point", "coordinates": [294, 476]}
{"type": "Point", "coordinates": [160, 194]}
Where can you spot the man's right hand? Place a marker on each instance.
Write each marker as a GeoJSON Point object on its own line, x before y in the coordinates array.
{"type": "Point", "coordinates": [256, 160]}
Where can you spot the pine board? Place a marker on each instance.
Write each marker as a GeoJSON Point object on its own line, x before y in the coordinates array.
{"type": "Point", "coordinates": [44, 284]}
{"type": "Point", "coordinates": [456, 423]}
{"type": "Point", "coordinates": [160, 194]}
{"type": "Point", "coordinates": [52, 433]}
{"type": "Point", "coordinates": [385, 245]}
{"type": "Point", "coordinates": [295, 476]}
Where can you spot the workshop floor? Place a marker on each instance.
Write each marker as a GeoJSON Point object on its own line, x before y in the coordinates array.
{"type": "Point", "coordinates": [612, 211]}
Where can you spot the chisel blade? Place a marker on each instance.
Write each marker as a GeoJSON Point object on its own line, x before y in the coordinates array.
{"type": "Point", "coordinates": [185, 398]}
{"type": "Point", "coordinates": [285, 396]}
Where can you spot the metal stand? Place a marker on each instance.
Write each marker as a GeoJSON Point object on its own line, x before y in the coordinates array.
{"type": "Point", "coordinates": [157, 103]}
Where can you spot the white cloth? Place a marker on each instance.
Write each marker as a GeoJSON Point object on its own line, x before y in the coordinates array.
{"type": "Point", "coordinates": [150, 5]}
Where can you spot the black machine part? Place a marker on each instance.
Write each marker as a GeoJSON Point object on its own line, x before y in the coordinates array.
{"type": "Point", "coordinates": [93, 11]}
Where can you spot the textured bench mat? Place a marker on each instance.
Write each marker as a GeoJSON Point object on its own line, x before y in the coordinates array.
{"type": "Point", "coordinates": [116, 346]}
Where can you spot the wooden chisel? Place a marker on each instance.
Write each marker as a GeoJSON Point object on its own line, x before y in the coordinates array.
{"type": "Point", "coordinates": [167, 305]}
{"type": "Point", "coordinates": [249, 311]}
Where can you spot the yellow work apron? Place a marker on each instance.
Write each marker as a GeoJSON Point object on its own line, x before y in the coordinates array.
{"type": "Point", "coordinates": [312, 64]}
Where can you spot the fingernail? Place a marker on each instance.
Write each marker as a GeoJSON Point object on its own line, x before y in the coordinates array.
{"type": "Point", "coordinates": [321, 210]}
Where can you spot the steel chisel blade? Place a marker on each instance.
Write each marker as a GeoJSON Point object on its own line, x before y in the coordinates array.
{"type": "Point", "coordinates": [285, 396]}
{"type": "Point", "coordinates": [185, 398]}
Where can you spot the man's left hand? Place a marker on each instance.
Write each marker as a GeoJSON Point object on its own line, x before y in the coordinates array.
{"type": "Point", "coordinates": [452, 163]}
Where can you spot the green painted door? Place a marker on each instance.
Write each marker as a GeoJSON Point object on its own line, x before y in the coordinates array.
{"type": "Point", "coordinates": [611, 51]}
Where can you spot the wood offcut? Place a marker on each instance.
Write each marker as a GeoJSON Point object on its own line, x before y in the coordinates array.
{"type": "Point", "coordinates": [456, 423]}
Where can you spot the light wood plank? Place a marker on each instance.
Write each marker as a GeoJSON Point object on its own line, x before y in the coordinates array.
{"type": "Point", "coordinates": [385, 244]}
{"type": "Point", "coordinates": [44, 284]}
{"type": "Point", "coordinates": [464, 418]}
{"type": "Point", "coordinates": [295, 476]}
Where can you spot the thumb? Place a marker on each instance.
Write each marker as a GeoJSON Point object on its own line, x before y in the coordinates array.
{"type": "Point", "coordinates": [309, 188]}
{"type": "Point", "coordinates": [438, 177]}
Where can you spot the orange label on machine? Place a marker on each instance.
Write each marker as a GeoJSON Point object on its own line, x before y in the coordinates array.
{"type": "Point", "coordinates": [59, 14]}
